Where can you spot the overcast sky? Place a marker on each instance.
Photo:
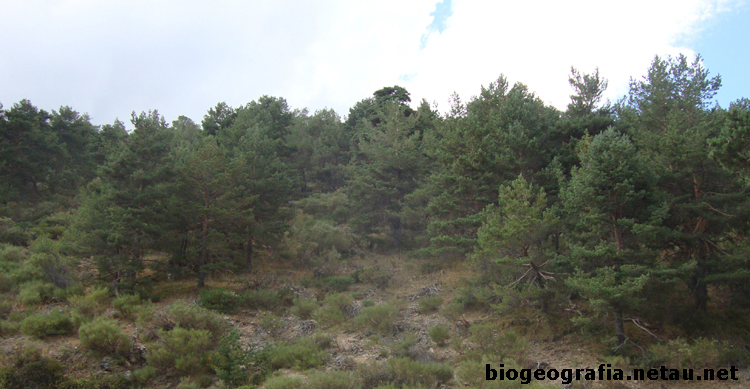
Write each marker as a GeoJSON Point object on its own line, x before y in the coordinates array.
{"type": "Point", "coordinates": [181, 57]}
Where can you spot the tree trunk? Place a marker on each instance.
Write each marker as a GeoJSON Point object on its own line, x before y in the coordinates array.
{"type": "Point", "coordinates": [619, 326]}
{"type": "Point", "coordinates": [202, 257]}
{"type": "Point", "coordinates": [249, 254]}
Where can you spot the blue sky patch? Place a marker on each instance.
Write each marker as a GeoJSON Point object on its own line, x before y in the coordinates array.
{"type": "Point", "coordinates": [439, 21]}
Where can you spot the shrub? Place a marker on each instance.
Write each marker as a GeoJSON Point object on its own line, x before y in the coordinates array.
{"type": "Point", "coordinates": [32, 370]}
{"type": "Point", "coordinates": [335, 309]}
{"type": "Point", "coordinates": [41, 325]}
{"type": "Point", "coordinates": [430, 304]}
{"type": "Point", "coordinates": [439, 334]}
{"type": "Point", "coordinates": [303, 309]}
{"type": "Point", "coordinates": [272, 324]}
{"type": "Point", "coordinates": [283, 382]}
{"type": "Point", "coordinates": [221, 300]}
{"type": "Point", "coordinates": [92, 304]}
{"type": "Point", "coordinates": [192, 316]}
{"type": "Point", "coordinates": [268, 300]}
{"type": "Point", "coordinates": [36, 292]}
{"type": "Point", "coordinates": [330, 380]}
{"type": "Point", "coordinates": [8, 328]}
{"type": "Point", "coordinates": [10, 253]}
{"type": "Point", "coordinates": [374, 275]}
{"type": "Point", "coordinates": [408, 346]}
{"type": "Point", "coordinates": [183, 350]}
{"type": "Point", "coordinates": [409, 372]}
{"type": "Point", "coordinates": [229, 361]}
{"type": "Point", "coordinates": [703, 353]}
{"type": "Point", "coordinates": [368, 303]}
{"type": "Point", "coordinates": [379, 318]}
{"type": "Point", "coordinates": [127, 306]}
{"type": "Point", "coordinates": [105, 337]}
{"type": "Point", "coordinates": [302, 354]}
{"type": "Point", "coordinates": [338, 284]}
{"type": "Point", "coordinates": [502, 343]}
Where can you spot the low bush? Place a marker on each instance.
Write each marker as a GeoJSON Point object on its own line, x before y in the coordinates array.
{"type": "Point", "coordinates": [430, 304]}
{"type": "Point", "coordinates": [335, 379]}
{"type": "Point", "coordinates": [41, 326]}
{"type": "Point", "coordinates": [192, 316]}
{"type": "Point", "coordinates": [36, 292]}
{"type": "Point", "coordinates": [104, 337]}
{"type": "Point", "coordinates": [408, 347]}
{"type": "Point", "coordinates": [272, 324]}
{"type": "Point", "coordinates": [269, 300]}
{"type": "Point", "coordinates": [374, 275]}
{"type": "Point", "coordinates": [183, 351]}
{"type": "Point", "coordinates": [221, 300]}
{"type": "Point", "coordinates": [379, 318]}
{"type": "Point", "coordinates": [92, 304]}
{"type": "Point", "coordinates": [127, 306]}
{"type": "Point", "coordinates": [335, 310]}
{"type": "Point", "coordinates": [491, 340]}
{"type": "Point", "coordinates": [439, 334]}
{"type": "Point", "coordinates": [302, 354]}
{"type": "Point", "coordinates": [32, 370]}
{"type": "Point", "coordinates": [338, 284]}
{"type": "Point", "coordinates": [403, 373]}
{"type": "Point", "coordinates": [8, 328]}
{"type": "Point", "coordinates": [229, 361]}
{"type": "Point", "coordinates": [303, 309]}
{"type": "Point", "coordinates": [283, 382]}
{"type": "Point", "coordinates": [702, 353]}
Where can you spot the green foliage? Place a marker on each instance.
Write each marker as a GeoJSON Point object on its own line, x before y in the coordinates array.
{"type": "Point", "coordinates": [430, 304]}
{"type": "Point", "coordinates": [302, 353]}
{"type": "Point", "coordinates": [702, 353]}
{"type": "Point", "coordinates": [182, 350]}
{"type": "Point", "coordinates": [439, 334]}
{"type": "Point", "coordinates": [403, 373]}
{"type": "Point", "coordinates": [334, 379]}
{"type": "Point", "coordinates": [283, 382]}
{"type": "Point", "coordinates": [491, 340]}
{"type": "Point", "coordinates": [338, 284]}
{"type": "Point", "coordinates": [221, 300]}
{"type": "Point", "coordinates": [379, 318]}
{"type": "Point", "coordinates": [312, 239]}
{"type": "Point", "coordinates": [272, 324]}
{"type": "Point", "coordinates": [36, 292]}
{"type": "Point", "coordinates": [105, 337]}
{"type": "Point", "coordinates": [127, 306]}
{"type": "Point", "coordinates": [230, 361]}
{"type": "Point", "coordinates": [43, 325]}
{"type": "Point", "coordinates": [32, 370]}
{"type": "Point", "coordinates": [94, 303]}
{"type": "Point", "coordinates": [304, 308]}
{"type": "Point", "coordinates": [266, 299]}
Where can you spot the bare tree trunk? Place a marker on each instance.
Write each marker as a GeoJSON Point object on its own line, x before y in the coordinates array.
{"type": "Point", "coordinates": [619, 326]}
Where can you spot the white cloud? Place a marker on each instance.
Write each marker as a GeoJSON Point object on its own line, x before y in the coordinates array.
{"type": "Point", "coordinates": [182, 57]}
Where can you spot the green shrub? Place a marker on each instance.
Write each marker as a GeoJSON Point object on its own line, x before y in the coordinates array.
{"type": "Point", "coordinates": [379, 318]}
{"type": "Point", "coordinates": [430, 304]}
{"type": "Point", "coordinates": [41, 325]}
{"type": "Point", "coordinates": [92, 304]}
{"type": "Point", "coordinates": [329, 315]}
{"type": "Point", "coordinates": [335, 379]}
{"type": "Point", "coordinates": [221, 300]}
{"type": "Point", "coordinates": [493, 341]}
{"type": "Point", "coordinates": [8, 328]}
{"type": "Point", "coordinates": [283, 382]}
{"type": "Point", "coordinates": [439, 334]}
{"type": "Point", "coordinates": [269, 300]}
{"type": "Point", "coordinates": [142, 376]}
{"type": "Point", "coordinates": [10, 253]}
{"type": "Point", "coordinates": [374, 275]}
{"type": "Point", "coordinates": [338, 284]}
{"type": "Point", "coordinates": [368, 303]}
{"type": "Point", "coordinates": [127, 306]}
{"type": "Point", "coordinates": [105, 337]}
{"type": "Point", "coordinates": [32, 370]}
{"type": "Point", "coordinates": [229, 361]}
{"type": "Point", "coordinates": [272, 324]}
{"type": "Point", "coordinates": [303, 309]}
{"type": "Point", "coordinates": [182, 350]}
{"type": "Point", "coordinates": [410, 372]}
{"type": "Point", "coordinates": [302, 353]}
{"type": "Point", "coordinates": [703, 353]}
{"type": "Point", "coordinates": [36, 292]}
{"type": "Point", "coordinates": [191, 316]}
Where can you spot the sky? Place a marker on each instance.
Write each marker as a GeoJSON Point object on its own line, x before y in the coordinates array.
{"type": "Point", "coordinates": [182, 57]}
